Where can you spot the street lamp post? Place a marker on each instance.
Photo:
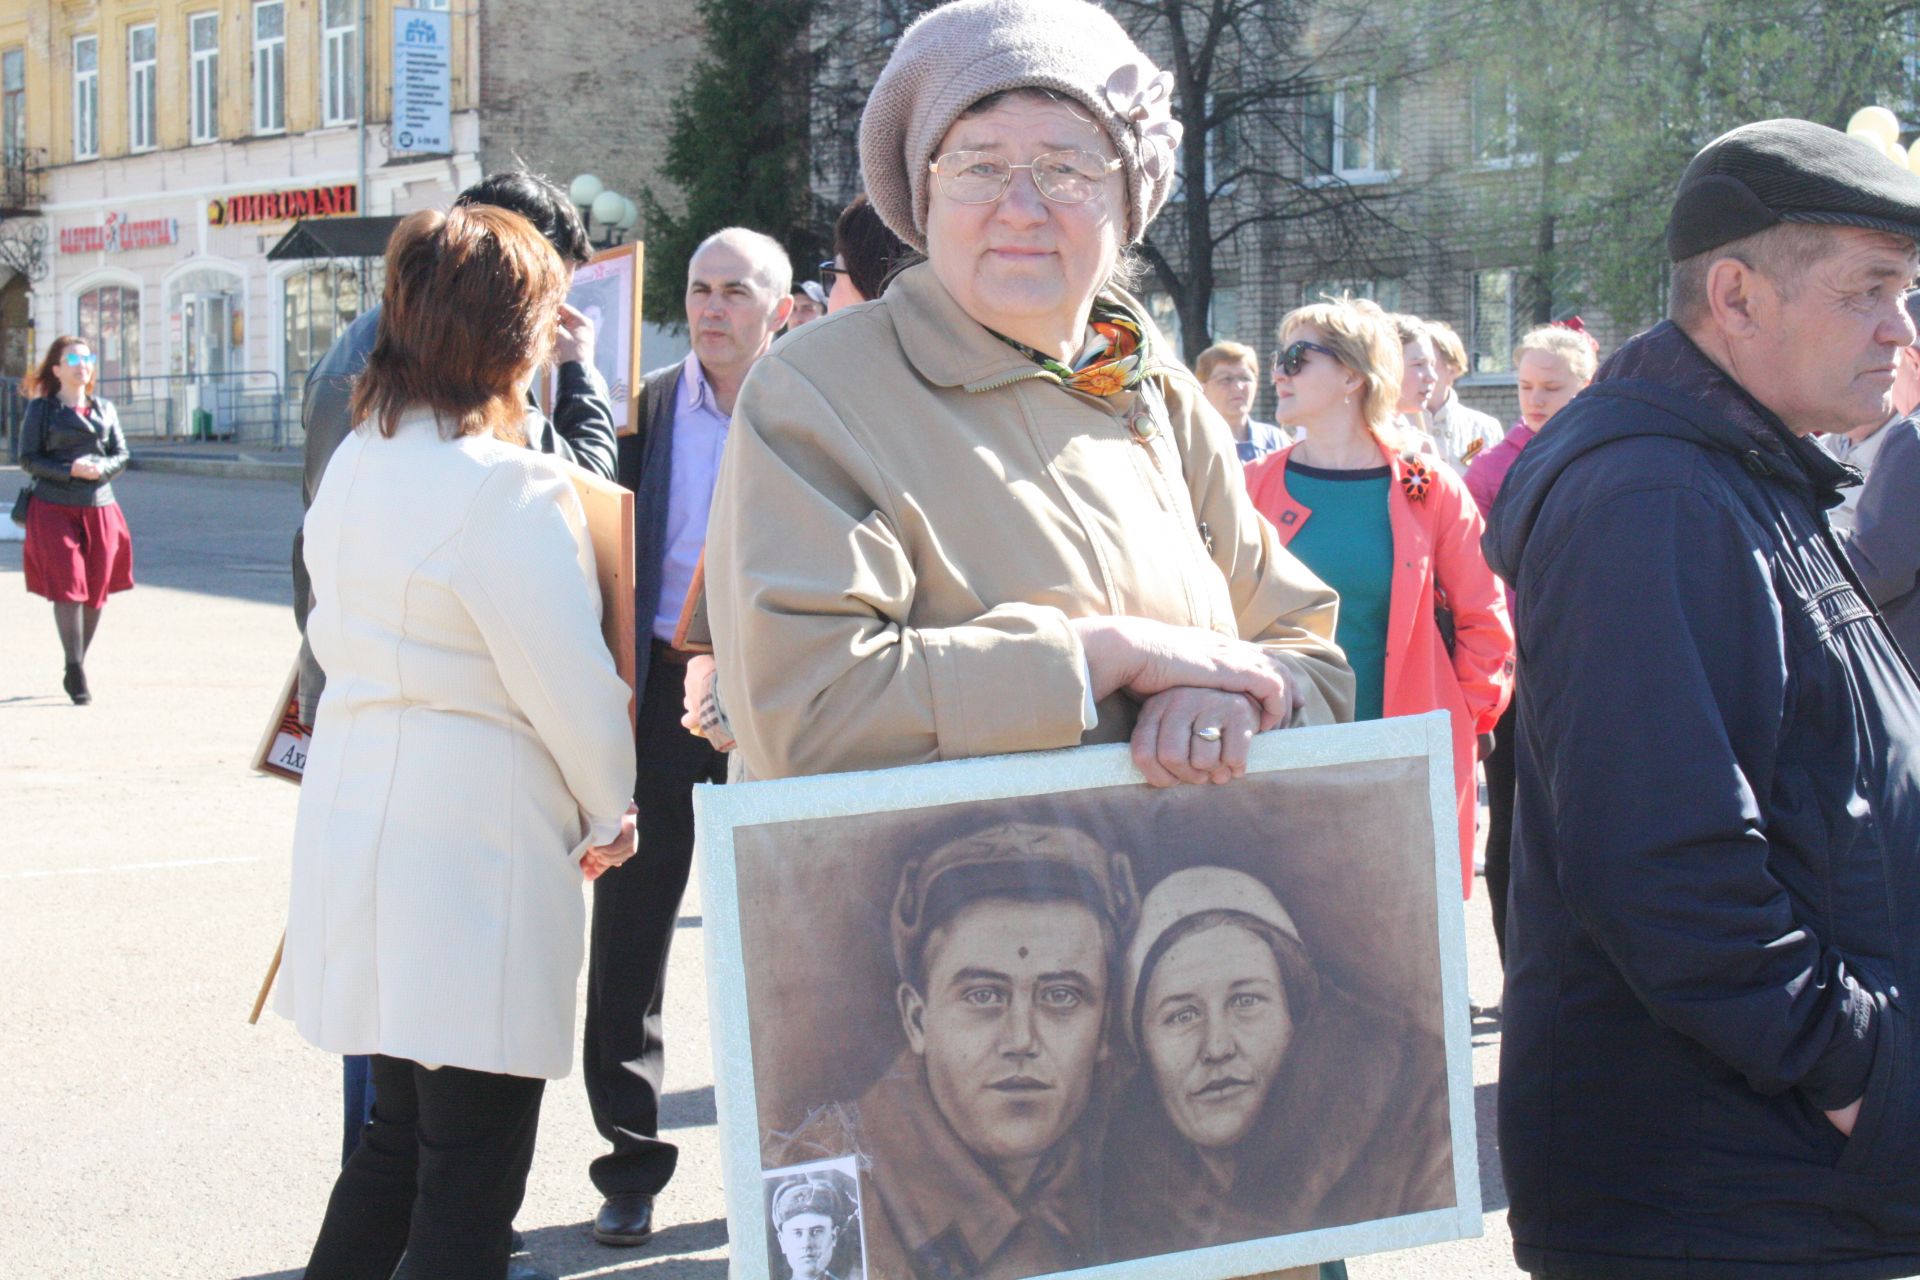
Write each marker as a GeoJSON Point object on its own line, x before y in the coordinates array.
{"type": "Point", "coordinates": [610, 216]}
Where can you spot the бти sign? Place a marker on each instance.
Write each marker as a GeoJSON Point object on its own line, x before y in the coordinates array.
{"type": "Point", "coordinates": [118, 233]}
{"type": "Point", "coordinates": [341, 201]}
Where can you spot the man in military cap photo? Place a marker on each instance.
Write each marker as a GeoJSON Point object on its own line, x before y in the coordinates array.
{"type": "Point", "coordinates": [809, 1213]}
{"type": "Point", "coordinates": [977, 1147]}
{"type": "Point", "coordinates": [1709, 1069]}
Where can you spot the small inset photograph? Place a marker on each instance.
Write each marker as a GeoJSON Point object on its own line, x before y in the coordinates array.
{"type": "Point", "coordinates": [813, 1221]}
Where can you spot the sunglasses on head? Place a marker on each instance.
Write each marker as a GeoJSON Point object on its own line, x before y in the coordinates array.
{"type": "Point", "coordinates": [75, 358]}
{"type": "Point", "coordinates": [1292, 358]}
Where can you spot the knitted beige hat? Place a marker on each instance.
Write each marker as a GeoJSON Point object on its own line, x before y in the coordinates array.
{"type": "Point", "coordinates": [961, 52]}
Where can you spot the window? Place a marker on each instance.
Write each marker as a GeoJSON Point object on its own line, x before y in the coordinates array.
{"type": "Point", "coordinates": [109, 319]}
{"type": "Point", "coordinates": [142, 74]}
{"type": "Point", "coordinates": [1495, 313]}
{"type": "Point", "coordinates": [1384, 292]}
{"type": "Point", "coordinates": [270, 66]}
{"type": "Point", "coordinates": [13, 107]}
{"type": "Point", "coordinates": [319, 303]}
{"type": "Point", "coordinates": [86, 97]}
{"type": "Point", "coordinates": [340, 47]}
{"type": "Point", "coordinates": [1499, 137]}
{"type": "Point", "coordinates": [203, 78]}
{"type": "Point", "coordinates": [1350, 132]}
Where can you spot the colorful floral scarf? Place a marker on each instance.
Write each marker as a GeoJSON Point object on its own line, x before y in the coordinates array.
{"type": "Point", "coordinates": [1114, 361]}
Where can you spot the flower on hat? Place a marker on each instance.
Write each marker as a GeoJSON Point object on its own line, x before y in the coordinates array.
{"type": "Point", "coordinates": [1143, 97]}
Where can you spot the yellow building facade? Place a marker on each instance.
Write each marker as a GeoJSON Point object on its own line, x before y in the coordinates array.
{"type": "Point", "coordinates": [164, 148]}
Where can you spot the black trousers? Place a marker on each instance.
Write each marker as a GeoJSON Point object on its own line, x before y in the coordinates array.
{"type": "Point", "coordinates": [439, 1173]}
{"type": "Point", "coordinates": [1501, 781]}
{"type": "Point", "coordinates": [635, 910]}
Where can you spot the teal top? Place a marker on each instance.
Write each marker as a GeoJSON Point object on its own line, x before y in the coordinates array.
{"type": "Point", "coordinates": [1348, 543]}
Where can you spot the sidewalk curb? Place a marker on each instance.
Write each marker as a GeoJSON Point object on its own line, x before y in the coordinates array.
{"type": "Point", "coordinates": [220, 468]}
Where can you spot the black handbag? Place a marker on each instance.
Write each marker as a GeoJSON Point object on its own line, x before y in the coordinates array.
{"type": "Point", "coordinates": [21, 501]}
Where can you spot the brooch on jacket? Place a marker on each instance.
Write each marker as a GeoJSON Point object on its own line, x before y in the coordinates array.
{"type": "Point", "coordinates": [1416, 477]}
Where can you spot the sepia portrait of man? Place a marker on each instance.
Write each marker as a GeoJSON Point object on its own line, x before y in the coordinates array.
{"type": "Point", "coordinates": [978, 1141]}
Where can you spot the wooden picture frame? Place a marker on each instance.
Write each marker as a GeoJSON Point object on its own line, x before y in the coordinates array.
{"type": "Point", "coordinates": [609, 512]}
{"type": "Point", "coordinates": [282, 752]}
{"type": "Point", "coordinates": [610, 289]}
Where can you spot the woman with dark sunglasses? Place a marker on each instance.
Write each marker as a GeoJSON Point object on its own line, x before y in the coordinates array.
{"type": "Point", "coordinates": [1397, 534]}
{"type": "Point", "coordinates": [78, 548]}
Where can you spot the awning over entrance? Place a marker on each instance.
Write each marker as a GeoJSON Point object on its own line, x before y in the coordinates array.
{"type": "Point", "coordinates": [334, 238]}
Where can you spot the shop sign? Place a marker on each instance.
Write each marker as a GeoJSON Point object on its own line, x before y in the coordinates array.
{"type": "Point", "coordinates": [342, 201]}
{"type": "Point", "coordinates": [118, 234]}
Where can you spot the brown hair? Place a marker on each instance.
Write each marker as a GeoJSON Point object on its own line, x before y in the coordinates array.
{"type": "Point", "coordinates": [872, 253]}
{"type": "Point", "coordinates": [1447, 345]}
{"type": "Point", "coordinates": [1225, 353]}
{"type": "Point", "coordinates": [469, 309]}
{"type": "Point", "coordinates": [44, 382]}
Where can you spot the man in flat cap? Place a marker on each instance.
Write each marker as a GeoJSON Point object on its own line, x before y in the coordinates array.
{"type": "Point", "coordinates": [1710, 1067]}
{"type": "Point", "coordinates": [809, 1213]}
{"type": "Point", "coordinates": [976, 1145]}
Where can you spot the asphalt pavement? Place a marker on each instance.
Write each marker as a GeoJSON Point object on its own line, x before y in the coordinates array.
{"type": "Point", "coordinates": [151, 1132]}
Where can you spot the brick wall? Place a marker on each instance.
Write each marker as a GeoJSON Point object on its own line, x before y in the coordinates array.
{"type": "Point", "coordinates": [587, 87]}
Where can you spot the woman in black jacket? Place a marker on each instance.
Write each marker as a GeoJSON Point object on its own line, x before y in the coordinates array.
{"type": "Point", "coordinates": [78, 547]}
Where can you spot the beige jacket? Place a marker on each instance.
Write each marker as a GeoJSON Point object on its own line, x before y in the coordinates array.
{"type": "Point", "coordinates": [908, 513]}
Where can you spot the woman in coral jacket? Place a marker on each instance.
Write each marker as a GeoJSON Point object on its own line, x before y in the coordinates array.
{"type": "Point", "coordinates": [1397, 536]}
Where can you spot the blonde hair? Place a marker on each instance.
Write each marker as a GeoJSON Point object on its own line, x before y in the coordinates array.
{"type": "Point", "coordinates": [1366, 341]}
{"type": "Point", "coordinates": [1225, 353]}
{"type": "Point", "coordinates": [1576, 348]}
{"type": "Point", "coordinates": [1447, 345]}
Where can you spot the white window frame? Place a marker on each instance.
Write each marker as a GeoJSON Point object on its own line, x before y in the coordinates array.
{"type": "Point", "coordinates": [1372, 171]}
{"type": "Point", "coordinates": [340, 67]}
{"type": "Point", "coordinates": [203, 78]}
{"type": "Point", "coordinates": [1512, 157]}
{"type": "Point", "coordinates": [269, 72]}
{"type": "Point", "coordinates": [143, 80]}
{"type": "Point", "coordinates": [1491, 365]}
{"type": "Point", "coordinates": [86, 102]}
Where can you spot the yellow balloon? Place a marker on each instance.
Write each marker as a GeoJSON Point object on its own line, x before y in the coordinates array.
{"type": "Point", "coordinates": [1898, 154]}
{"type": "Point", "coordinates": [1913, 159]}
{"type": "Point", "coordinates": [1878, 121]}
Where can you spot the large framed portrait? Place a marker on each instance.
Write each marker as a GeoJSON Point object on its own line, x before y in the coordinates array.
{"type": "Point", "coordinates": [608, 290]}
{"type": "Point", "coordinates": [1036, 1018]}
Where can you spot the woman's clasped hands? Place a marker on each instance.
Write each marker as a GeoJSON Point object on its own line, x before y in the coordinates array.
{"type": "Point", "coordinates": [600, 859]}
{"type": "Point", "coordinates": [1202, 695]}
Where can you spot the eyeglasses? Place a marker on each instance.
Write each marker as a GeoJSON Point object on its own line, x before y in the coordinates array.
{"type": "Point", "coordinates": [828, 270]}
{"type": "Point", "coordinates": [1293, 358]}
{"type": "Point", "coordinates": [980, 177]}
{"type": "Point", "coordinates": [75, 358]}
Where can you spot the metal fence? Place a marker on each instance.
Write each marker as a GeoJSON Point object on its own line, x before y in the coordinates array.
{"type": "Point", "coordinates": [248, 407]}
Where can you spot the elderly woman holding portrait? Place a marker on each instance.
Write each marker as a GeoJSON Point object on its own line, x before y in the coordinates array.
{"type": "Point", "coordinates": [990, 511]}
{"type": "Point", "coordinates": [1268, 1101]}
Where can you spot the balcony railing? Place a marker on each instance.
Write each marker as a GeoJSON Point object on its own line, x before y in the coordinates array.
{"type": "Point", "coordinates": [21, 172]}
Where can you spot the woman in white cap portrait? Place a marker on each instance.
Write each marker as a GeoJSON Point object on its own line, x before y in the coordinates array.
{"type": "Point", "coordinates": [990, 511]}
{"type": "Point", "coordinates": [1268, 1101]}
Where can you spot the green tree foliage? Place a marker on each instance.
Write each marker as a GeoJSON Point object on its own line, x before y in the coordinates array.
{"type": "Point", "coordinates": [738, 154]}
{"type": "Point", "coordinates": [1610, 101]}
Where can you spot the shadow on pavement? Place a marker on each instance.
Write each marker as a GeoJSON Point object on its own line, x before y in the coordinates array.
{"type": "Point", "coordinates": [1486, 1114]}
{"type": "Point", "coordinates": [571, 1251]}
{"type": "Point", "coordinates": [688, 1109]}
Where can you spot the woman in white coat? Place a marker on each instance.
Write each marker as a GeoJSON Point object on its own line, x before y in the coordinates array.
{"type": "Point", "coordinates": [471, 758]}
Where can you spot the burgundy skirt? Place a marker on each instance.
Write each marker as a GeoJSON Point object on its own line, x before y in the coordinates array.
{"type": "Point", "coordinates": [77, 554]}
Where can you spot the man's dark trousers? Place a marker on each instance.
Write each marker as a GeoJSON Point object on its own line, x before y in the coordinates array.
{"type": "Point", "coordinates": [635, 910]}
